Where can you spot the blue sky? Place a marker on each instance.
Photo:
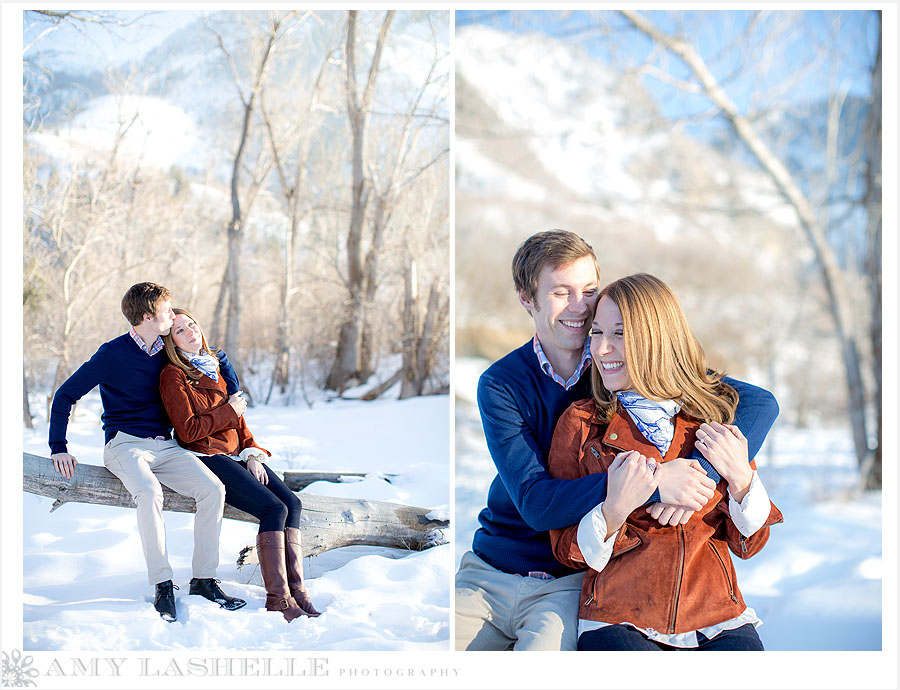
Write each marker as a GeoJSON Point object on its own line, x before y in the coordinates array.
{"type": "Point", "coordinates": [87, 45]}
{"type": "Point", "coordinates": [850, 37]}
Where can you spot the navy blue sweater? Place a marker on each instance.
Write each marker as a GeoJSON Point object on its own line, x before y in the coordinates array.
{"type": "Point", "coordinates": [129, 390]}
{"type": "Point", "coordinates": [519, 406]}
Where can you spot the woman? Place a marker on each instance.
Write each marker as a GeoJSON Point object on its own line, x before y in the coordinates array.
{"type": "Point", "coordinates": [652, 587]}
{"type": "Point", "coordinates": [210, 422]}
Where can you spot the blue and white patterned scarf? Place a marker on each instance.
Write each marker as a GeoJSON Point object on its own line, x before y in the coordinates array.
{"type": "Point", "coordinates": [653, 417]}
{"type": "Point", "coordinates": [204, 362]}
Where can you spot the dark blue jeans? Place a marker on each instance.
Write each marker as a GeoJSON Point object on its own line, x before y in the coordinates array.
{"type": "Point", "coordinates": [625, 638]}
{"type": "Point", "coordinates": [273, 504]}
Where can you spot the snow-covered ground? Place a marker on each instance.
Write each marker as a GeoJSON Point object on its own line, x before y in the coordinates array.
{"type": "Point", "coordinates": [85, 584]}
{"type": "Point", "coordinates": [817, 585]}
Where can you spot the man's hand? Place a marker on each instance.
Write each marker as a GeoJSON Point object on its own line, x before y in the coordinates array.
{"type": "Point", "coordinates": [683, 483]}
{"type": "Point", "coordinates": [630, 481]}
{"type": "Point", "coordinates": [64, 464]}
{"type": "Point", "coordinates": [666, 514]}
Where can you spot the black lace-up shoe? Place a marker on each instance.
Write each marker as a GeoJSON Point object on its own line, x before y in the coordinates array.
{"type": "Point", "coordinates": [209, 588]}
{"type": "Point", "coordinates": [164, 601]}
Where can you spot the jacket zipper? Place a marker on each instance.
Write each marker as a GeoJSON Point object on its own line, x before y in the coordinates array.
{"type": "Point", "coordinates": [621, 450]}
{"type": "Point", "coordinates": [677, 580]}
{"type": "Point", "coordinates": [633, 546]}
{"type": "Point", "coordinates": [725, 570]}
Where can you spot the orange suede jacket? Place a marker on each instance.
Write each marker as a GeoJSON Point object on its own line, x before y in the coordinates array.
{"type": "Point", "coordinates": [204, 421]}
{"type": "Point", "coordinates": [672, 579]}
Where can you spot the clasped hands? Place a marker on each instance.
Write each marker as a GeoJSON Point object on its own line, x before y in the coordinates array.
{"type": "Point", "coordinates": [684, 487]}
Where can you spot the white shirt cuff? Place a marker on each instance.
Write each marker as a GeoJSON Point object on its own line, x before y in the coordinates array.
{"type": "Point", "coordinates": [751, 513]}
{"type": "Point", "coordinates": [592, 540]}
{"type": "Point", "coordinates": [247, 452]}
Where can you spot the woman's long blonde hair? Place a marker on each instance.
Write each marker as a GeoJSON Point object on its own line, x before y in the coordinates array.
{"type": "Point", "coordinates": [664, 358]}
{"type": "Point", "coordinates": [177, 359]}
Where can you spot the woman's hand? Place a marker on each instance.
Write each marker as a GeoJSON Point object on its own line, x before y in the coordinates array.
{"type": "Point", "coordinates": [630, 481]}
{"type": "Point", "coordinates": [255, 467]}
{"type": "Point", "coordinates": [238, 403]}
{"type": "Point", "coordinates": [726, 449]}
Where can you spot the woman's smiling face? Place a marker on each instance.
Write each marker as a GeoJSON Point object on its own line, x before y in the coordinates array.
{"type": "Point", "coordinates": [186, 334]}
{"type": "Point", "coordinates": [608, 346]}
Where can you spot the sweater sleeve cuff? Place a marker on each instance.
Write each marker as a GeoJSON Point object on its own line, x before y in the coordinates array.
{"type": "Point", "coordinates": [58, 448]}
{"type": "Point", "coordinates": [751, 513]}
{"type": "Point", "coordinates": [592, 540]}
{"type": "Point", "coordinates": [707, 467]}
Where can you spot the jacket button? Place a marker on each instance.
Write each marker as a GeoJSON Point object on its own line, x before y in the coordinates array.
{"type": "Point", "coordinates": [613, 436]}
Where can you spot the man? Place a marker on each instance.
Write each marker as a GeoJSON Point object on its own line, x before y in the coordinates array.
{"type": "Point", "coordinates": [139, 447]}
{"type": "Point", "coordinates": [510, 590]}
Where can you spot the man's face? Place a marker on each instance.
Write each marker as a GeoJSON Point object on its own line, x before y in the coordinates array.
{"type": "Point", "coordinates": [563, 305]}
{"type": "Point", "coordinates": [161, 323]}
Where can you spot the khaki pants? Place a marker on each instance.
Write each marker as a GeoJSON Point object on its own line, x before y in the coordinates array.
{"type": "Point", "coordinates": [499, 611]}
{"type": "Point", "coordinates": [141, 464]}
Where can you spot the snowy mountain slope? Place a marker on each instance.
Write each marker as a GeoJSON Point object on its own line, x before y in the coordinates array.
{"type": "Point", "coordinates": [549, 137]}
{"type": "Point", "coordinates": [537, 108]}
{"type": "Point", "coordinates": [190, 72]}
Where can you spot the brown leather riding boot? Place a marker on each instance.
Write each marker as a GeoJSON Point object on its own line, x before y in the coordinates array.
{"type": "Point", "coordinates": [293, 554]}
{"type": "Point", "coordinates": [270, 552]}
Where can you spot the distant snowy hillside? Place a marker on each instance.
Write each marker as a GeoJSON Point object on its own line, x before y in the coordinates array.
{"type": "Point", "coordinates": [536, 113]}
{"type": "Point", "coordinates": [186, 84]}
{"type": "Point", "coordinates": [153, 131]}
{"type": "Point", "coordinates": [549, 136]}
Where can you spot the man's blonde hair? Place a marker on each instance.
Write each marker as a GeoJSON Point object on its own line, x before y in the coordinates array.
{"type": "Point", "coordinates": [143, 298]}
{"type": "Point", "coordinates": [554, 248]}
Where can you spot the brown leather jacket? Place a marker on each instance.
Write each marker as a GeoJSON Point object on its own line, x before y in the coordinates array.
{"type": "Point", "coordinates": [672, 579]}
{"type": "Point", "coordinates": [204, 421]}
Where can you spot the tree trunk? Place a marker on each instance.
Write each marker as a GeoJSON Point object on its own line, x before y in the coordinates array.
{"type": "Point", "coordinates": [295, 194]}
{"type": "Point", "coordinates": [410, 328]}
{"type": "Point", "coordinates": [28, 418]}
{"type": "Point", "coordinates": [871, 479]}
{"type": "Point", "coordinates": [832, 277]}
{"type": "Point", "coordinates": [419, 334]}
{"type": "Point", "coordinates": [282, 372]}
{"type": "Point", "coordinates": [370, 287]}
{"type": "Point", "coordinates": [347, 363]}
{"type": "Point", "coordinates": [378, 390]}
{"type": "Point", "coordinates": [326, 522]}
{"type": "Point", "coordinates": [429, 333]}
{"type": "Point", "coordinates": [230, 291]}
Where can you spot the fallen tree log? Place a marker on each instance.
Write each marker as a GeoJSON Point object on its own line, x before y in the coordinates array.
{"type": "Point", "coordinates": [300, 479]}
{"type": "Point", "coordinates": [326, 522]}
